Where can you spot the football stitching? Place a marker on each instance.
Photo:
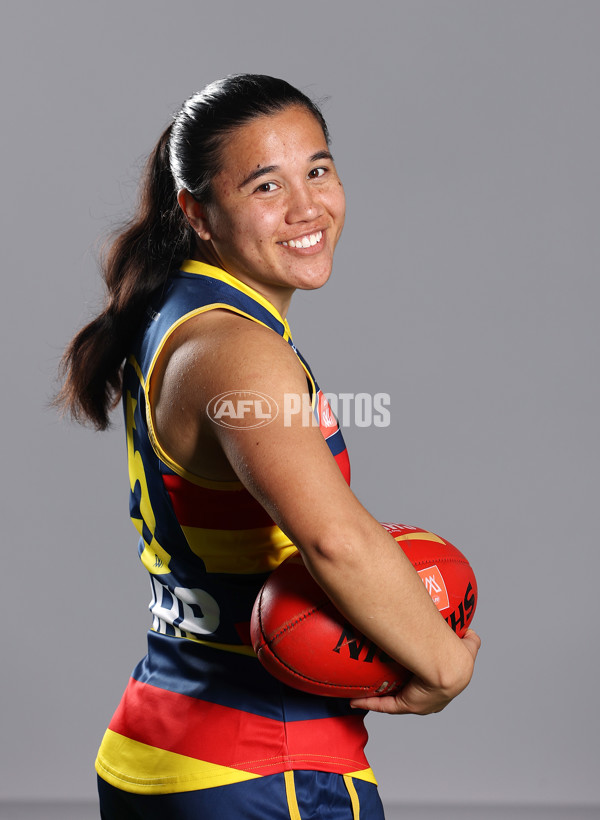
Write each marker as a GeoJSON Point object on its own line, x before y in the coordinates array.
{"type": "Point", "coordinates": [290, 624]}
{"type": "Point", "coordinates": [447, 560]}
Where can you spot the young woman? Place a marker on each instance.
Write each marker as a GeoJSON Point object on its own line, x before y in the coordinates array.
{"type": "Point", "coordinates": [240, 205]}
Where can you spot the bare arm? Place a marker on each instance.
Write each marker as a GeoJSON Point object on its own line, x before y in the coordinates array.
{"type": "Point", "coordinates": [290, 470]}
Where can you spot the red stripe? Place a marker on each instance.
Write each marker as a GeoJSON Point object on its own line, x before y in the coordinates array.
{"type": "Point", "coordinates": [243, 630]}
{"type": "Point", "coordinates": [196, 506]}
{"type": "Point", "coordinates": [214, 509]}
{"type": "Point", "coordinates": [340, 741]}
{"type": "Point", "coordinates": [343, 462]}
{"type": "Point", "coordinates": [231, 737]}
{"type": "Point", "coordinates": [188, 726]}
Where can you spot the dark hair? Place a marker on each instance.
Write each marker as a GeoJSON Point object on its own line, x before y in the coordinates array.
{"type": "Point", "coordinates": [158, 237]}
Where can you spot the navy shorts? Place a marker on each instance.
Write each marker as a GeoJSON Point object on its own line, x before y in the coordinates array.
{"type": "Point", "coordinates": [302, 795]}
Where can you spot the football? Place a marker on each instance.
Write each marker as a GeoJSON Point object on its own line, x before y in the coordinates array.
{"type": "Point", "coordinates": [304, 641]}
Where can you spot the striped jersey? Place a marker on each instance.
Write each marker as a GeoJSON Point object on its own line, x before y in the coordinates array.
{"type": "Point", "coordinates": [199, 710]}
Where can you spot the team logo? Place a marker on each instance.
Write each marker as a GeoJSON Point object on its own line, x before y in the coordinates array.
{"type": "Point", "coordinates": [245, 409]}
{"type": "Point", "coordinates": [435, 586]}
{"type": "Point", "coordinates": [326, 417]}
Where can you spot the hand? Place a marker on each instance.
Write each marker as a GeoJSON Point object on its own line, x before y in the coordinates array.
{"type": "Point", "coordinates": [419, 698]}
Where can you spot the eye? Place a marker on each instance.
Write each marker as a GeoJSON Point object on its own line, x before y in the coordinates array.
{"type": "Point", "coordinates": [317, 172]}
{"type": "Point", "coordinates": [266, 187]}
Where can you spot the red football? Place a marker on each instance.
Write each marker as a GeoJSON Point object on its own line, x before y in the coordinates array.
{"type": "Point", "coordinates": [303, 640]}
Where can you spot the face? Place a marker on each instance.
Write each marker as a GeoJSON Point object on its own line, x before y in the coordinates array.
{"type": "Point", "coordinates": [278, 206]}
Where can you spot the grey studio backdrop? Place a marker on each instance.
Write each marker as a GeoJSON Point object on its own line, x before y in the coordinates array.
{"type": "Point", "coordinates": [465, 287]}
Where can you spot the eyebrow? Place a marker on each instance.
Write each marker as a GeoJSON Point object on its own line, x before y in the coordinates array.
{"type": "Point", "coordinates": [268, 169]}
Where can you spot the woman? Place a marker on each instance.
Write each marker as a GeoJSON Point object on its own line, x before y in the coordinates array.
{"type": "Point", "coordinates": [240, 206]}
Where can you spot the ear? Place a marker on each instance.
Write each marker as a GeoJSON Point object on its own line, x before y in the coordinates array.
{"type": "Point", "coordinates": [195, 213]}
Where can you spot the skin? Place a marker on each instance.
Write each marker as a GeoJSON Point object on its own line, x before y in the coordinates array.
{"type": "Point", "coordinates": [244, 227]}
{"type": "Point", "coordinates": [289, 469]}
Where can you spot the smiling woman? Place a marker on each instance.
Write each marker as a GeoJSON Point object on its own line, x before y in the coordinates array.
{"type": "Point", "coordinates": [277, 206]}
{"type": "Point", "coordinates": [240, 206]}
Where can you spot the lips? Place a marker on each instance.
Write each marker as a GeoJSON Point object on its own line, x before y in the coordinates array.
{"type": "Point", "coordinates": [309, 240]}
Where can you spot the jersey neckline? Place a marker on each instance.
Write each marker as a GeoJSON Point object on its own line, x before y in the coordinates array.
{"type": "Point", "coordinates": [204, 269]}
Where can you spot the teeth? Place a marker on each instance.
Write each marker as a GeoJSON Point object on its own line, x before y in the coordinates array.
{"type": "Point", "coordinates": [306, 241]}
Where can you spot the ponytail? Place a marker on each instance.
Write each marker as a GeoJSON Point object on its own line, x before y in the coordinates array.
{"type": "Point", "coordinates": [156, 240]}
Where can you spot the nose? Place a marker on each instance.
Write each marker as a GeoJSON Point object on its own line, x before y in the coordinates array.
{"type": "Point", "coordinates": [303, 204]}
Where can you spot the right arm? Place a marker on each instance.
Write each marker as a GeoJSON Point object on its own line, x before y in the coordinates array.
{"type": "Point", "coordinates": [291, 472]}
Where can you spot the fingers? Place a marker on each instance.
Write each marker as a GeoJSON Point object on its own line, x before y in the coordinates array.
{"type": "Point", "coordinates": [401, 704]}
{"type": "Point", "coordinates": [389, 704]}
{"type": "Point", "coordinates": [416, 697]}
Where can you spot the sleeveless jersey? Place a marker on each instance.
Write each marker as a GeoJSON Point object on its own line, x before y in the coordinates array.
{"type": "Point", "coordinates": [199, 710]}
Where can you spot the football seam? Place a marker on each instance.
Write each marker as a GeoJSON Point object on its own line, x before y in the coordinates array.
{"type": "Point", "coordinates": [289, 624]}
{"type": "Point", "coordinates": [448, 560]}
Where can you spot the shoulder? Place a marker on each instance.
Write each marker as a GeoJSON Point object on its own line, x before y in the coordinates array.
{"type": "Point", "coordinates": [216, 349]}
{"type": "Point", "coordinates": [216, 353]}
{"type": "Point", "coordinates": [209, 356]}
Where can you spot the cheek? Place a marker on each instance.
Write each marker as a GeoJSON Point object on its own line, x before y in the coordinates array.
{"type": "Point", "coordinates": [245, 225]}
{"type": "Point", "coordinates": [261, 225]}
{"type": "Point", "coordinates": [232, 227]}
{"type": "Point", "coordinates": [337, 203]}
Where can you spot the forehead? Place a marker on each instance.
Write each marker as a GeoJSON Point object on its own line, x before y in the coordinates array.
{"type": "Point", "coordinates": [285, 138]}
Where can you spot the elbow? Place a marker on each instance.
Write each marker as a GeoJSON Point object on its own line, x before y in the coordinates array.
{"type": "Point", "coordinates": [333, 546]}
{"type": "Point", "coordinates": [455, 674]}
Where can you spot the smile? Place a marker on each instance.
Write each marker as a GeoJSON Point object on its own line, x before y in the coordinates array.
{"type": "Point", "coordinates": [306, 241]}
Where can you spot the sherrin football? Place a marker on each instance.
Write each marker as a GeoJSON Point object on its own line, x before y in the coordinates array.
{"type": "Point", "coordinates": [304, 641]}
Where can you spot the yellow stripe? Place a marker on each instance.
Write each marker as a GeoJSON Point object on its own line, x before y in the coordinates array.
{"type": "Point", "coordinates": [241, 552]}
{"type": "Point", "coordinates": [237, 649]}
{"type": "Point", "coordinates": [153, 557]}
{"type": "Point", "coordinates": [193, 266]}
{"type": "Point", "coordinates": [138, 370]}
{"type": "Point", "coordinates": [290, 792]}
{"type": "Point", "coordinates": [138, 765]}
{"type": "Point", "coordinates": [419, 536]}
{"type": "Point", "coordinates": [353, 797]}
{"type": "Point", "coordinates": [364, 774]}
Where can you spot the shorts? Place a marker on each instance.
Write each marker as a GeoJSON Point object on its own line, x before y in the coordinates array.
{"type": "Point", "coordinates": [299, 795]}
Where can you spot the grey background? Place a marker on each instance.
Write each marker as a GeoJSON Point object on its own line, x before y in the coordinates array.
{"type": "Point", "coordinates": [465, 286]}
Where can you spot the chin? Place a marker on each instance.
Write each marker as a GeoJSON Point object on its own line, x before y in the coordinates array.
{"type": "Point", "coordinates": [314, 284]}
{"type": "Point", "coordinates": [314, 279]}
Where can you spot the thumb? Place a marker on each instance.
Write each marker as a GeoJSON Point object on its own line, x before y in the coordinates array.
{"type": "Point", "coordinates": [472, 642]}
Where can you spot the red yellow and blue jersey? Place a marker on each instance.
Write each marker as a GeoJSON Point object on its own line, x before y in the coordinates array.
{"type": "Point", "coordinates": [199, 710]}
